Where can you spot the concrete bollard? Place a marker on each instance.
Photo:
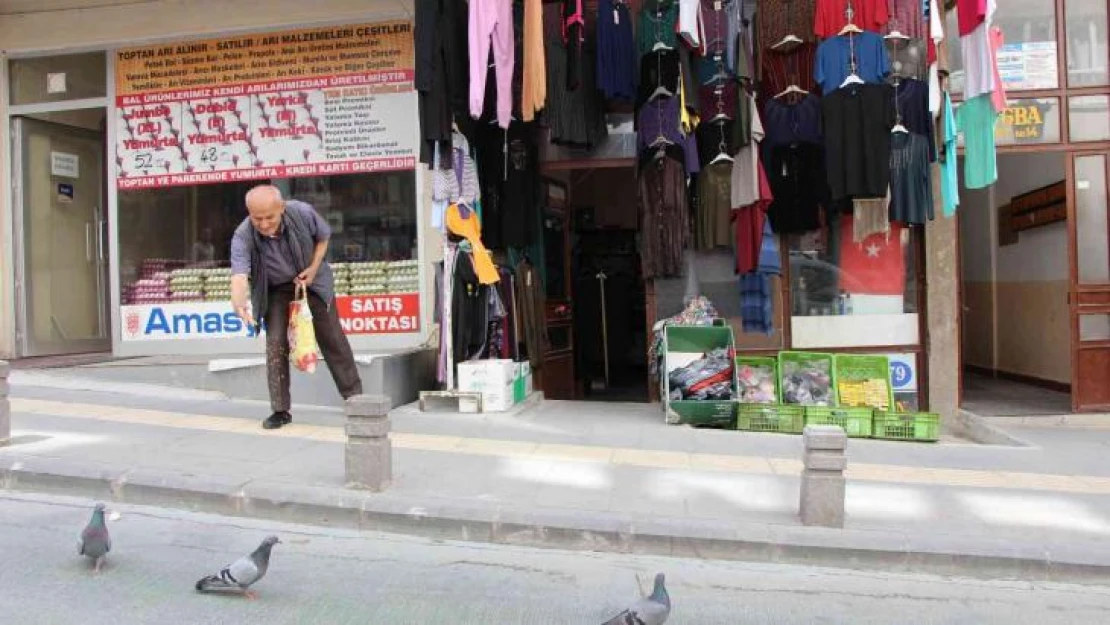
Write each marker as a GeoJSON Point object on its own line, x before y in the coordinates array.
{"type": "Point", "coordinates": [822, 496]}
{"type": "Point", "coordinates": [5, 405]}
{"type": "Point", "coordinates": [369, 454]}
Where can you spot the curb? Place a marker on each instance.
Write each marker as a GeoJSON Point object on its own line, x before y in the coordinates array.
{"type": "Point", "coordinates": [913, 551]}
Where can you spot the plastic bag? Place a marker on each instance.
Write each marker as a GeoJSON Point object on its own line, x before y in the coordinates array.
{"type": "Point", "coordinates": [302, 336]}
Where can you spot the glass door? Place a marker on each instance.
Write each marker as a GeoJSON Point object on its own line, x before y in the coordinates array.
{"type": "Point", "coordinates": [1089, 295]}
{"type": "Point", "coordinates": [61, 234]}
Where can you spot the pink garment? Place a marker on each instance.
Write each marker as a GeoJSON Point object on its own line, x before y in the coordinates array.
{"type": "Point", "coordinates": [998, 96]}
{"type": "Point", "coordinates": [491, 20]}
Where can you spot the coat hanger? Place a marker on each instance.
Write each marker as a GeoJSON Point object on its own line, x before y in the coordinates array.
{"type": "Point", "coordinates": [791, 89]}
{"type": "Point", "coordinates": [789, 40]}
{"type": "Point", "coordinates": [853, 77]}
{"type": "Point", "coordinates": [850, 27]}
{"type": "Point", "coordinates": [894, 33]}
{"type": "Point", "coordinates": [898, 127]}
{"type": "Point", "coordinates": [722, 149]}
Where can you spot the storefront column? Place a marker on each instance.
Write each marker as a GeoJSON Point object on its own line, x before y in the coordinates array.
{"type": "Point", "coordinates": [943, 315]}
{"type": "Point", "coordinates": [7, 256]}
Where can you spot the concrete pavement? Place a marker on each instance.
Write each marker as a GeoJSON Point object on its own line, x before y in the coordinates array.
{"type": "Point", "coordinates": [613, 480]}
{"type": "Point", "coordinates": [335, 576]}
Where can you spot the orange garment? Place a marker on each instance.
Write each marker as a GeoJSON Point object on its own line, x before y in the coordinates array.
{"type": "Point", "coordinates": [534, 91]}
{"type": "Point", "coordinates": [469, 228]}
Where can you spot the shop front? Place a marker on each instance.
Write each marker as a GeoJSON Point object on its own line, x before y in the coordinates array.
{"type": "Point", "coordinates": [131, 163]}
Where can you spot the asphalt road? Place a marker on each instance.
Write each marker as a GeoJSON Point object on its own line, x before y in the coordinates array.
{"type": "Point", "coordinates": [324, 576]}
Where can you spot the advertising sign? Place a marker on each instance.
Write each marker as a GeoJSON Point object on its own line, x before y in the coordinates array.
{"type": "Point", "coordinates": [306, 102]}
{"type": "Point", "coordinates": [358, 315]}
{"type": "Point", "coordinates": [1029, 65]}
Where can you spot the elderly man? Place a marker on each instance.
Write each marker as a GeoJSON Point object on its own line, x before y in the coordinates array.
{"type": "Point", "coordinates": [280, 245]}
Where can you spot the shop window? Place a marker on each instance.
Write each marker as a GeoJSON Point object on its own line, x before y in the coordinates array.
{"type": "Point", "coordinates": [1086, 37]}
{"type": "Point", "coordinates": [1028, 58]}
{"type": "Point", "coordinates": [58, 78]}
{"type": "Point", "coordinates": [1089, 117]}
{"type": "Point", "coordinates": [1091, 219]}
{"type": "Point", "coordinates": [854, 290]}
{"type": "Point", "coordinates": [175, 242]}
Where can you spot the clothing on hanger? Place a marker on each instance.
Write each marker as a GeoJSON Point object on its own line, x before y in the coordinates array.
{"type": "Point", "coordinates": [911, 186]}
{"type": "Point", "coordinates": [857, 122]}
{"type": "Point", "coordinates": [534, 90]}
{"type": "Point", "coordinates": [837, 57]}
{"type": "Point", "coordinates": [831, 16]}
{"type": "Point", "coordinates": [491, 34]}
{"type": "Point", "coordinates": [617, 60]}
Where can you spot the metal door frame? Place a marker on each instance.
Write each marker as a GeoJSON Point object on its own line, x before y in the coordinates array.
{"type": "Point", "coordinates": [100, 243]}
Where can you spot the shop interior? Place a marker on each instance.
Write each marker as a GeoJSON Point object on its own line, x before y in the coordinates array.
{"type": "Point", "coordinates": [1016, 332]}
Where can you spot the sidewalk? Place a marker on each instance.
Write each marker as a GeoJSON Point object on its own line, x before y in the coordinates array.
{"type": "Point", "coordinates": [600, 477]}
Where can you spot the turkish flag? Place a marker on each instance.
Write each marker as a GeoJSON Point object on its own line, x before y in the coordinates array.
{"type": "Point", "coordinates": [875, 266]}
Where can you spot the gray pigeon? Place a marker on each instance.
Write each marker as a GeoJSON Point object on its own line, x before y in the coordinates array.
{"type": "Point", "coordinates": [241, 574]}
{"type": "Point", "coordinates": [650, 610]}
{"type": "Point", "coordinates": [94, 541]}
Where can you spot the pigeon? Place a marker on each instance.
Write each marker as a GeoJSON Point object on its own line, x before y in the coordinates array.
{"type": "Point", "coordinates": [241, 574]}
{"type": "Point", "coordinates": [650, 610]}
{"type": "Point", "coordinates": [94, 541]}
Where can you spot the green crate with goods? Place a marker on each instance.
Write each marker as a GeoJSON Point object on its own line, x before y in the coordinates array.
{"type": "Point", "coordinates": [807, 378]}
{"type": "Point", "coordinates": [758, 379]}
{"type": "Point", "coordinates": [699, 375]}
{"type": "Point", "coordinates": [907, 426]}
{"type": "Point", "coordinates": [863, 381]}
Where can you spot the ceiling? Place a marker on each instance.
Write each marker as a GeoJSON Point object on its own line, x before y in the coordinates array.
{"type": "Point", "coordinates": [16, 7]}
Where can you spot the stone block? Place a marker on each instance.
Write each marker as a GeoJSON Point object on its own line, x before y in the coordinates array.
{"type": "Point", "coordinates": [828, 437]}
{"type": "Point", "coordinates": [369, 464]}
{"type": "Point", "coordinates": [5, 369]}
{"type": "Point", "coordinates": [822, 499]}
{"type": "Point", "coordinates": [5, 388]}
{"type": "Point", "coordinates": [377, 427]}
{"type": "Point", "coordinates": [825, 461]}
{"type": "Point", "coordinates": [368, 405]}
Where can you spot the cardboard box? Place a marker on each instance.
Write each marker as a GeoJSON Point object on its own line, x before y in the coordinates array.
{"type": "Point", "coordinates": [483, 375]}
{"type": "Point", "coordinates": [499, 400]}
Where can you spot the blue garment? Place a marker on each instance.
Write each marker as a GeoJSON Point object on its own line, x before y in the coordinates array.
{"type": "Point", "coordinates": [756, 302]}
{"type": "Point", "coordinates": [785, 123]}
{"type": "Point", "coordinates": [949, 178]}
{"type": "Point", "coordinates": [616, 51]}
{"type": "Point", "coordinates": [834, 60]}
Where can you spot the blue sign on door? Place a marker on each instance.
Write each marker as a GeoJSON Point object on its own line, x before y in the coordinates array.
{"type": "Point", "coordinates": [901, 375]}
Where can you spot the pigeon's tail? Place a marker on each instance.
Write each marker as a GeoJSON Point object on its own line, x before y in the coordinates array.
{"type": "Point", "coordinates": [213, 582]}
{"type": "Point", "coordinates": [624, 618]}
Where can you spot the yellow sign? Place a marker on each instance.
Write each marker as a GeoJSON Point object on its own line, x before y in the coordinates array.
{"type": "Point", "coordinates": [307, 58]}
{"type": "Point", "coordinates": [1020, 122]}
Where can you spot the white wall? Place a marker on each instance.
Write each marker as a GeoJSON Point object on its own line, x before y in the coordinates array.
{"type": "Point", "coordinates": [1015, 296]}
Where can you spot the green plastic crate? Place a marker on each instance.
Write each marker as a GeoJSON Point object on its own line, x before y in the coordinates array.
{"type": "Point", "coordinates": [789, 359]}
{"type": "Point", "coordinates": [855, 421]}
{"type": "Point", "coordinates": [912, 426]}
{"type": "Point", "coordinates": [761, 361]}
{"type": "Point", "coordinates": [681, 343]}
{"type": "Point", "coordinates": [858, 367]}
{"type": "Point", "coordinates": [771, 418]}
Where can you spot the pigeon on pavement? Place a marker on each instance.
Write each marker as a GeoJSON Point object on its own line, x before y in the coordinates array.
{"type": "Point", "coordinates": [651, 610]}
{"type": "Point", "coordinates": [94, 541]}
{"type": "Point", "coordinates": [241, 574]}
